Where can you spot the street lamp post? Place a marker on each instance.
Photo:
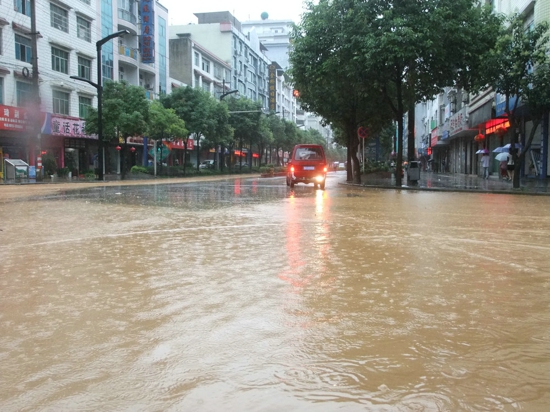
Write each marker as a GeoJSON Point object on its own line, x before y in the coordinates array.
{"type": "Point", "coordinates": [99, 87]}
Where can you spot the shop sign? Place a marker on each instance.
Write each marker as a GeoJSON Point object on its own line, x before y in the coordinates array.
{"type": "Point", "coordinates": [65, 126]}
{"type": "Point", "coordinates": [147, 31]}
{"type": "Point", "coordinates": [14, 118]}
{"type": "Point", "coordinates": [458, 123]}
{"type": "Point", "coordinates": [434, 137]}
{"type": "Point", "coordinates": [180, 144]}
{"type": "Point", "coordinates": [272, 85]}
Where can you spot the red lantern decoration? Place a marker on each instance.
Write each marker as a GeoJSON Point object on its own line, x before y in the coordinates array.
{"type": "Point", "coordinates": [132, 149]}
{"type": "Point", "coordinates": [479, 137]}
{"type": "Point", "coordinates": [118, 148]}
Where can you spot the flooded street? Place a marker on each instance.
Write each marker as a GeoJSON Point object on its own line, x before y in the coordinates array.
{"type": "Point", "coordinates": [242, 295]}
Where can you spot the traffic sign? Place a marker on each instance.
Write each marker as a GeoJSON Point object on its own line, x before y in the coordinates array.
{"type": "Point", "coordinates": [362, 132]}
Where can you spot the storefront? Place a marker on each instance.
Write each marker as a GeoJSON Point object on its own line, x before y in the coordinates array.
{"type": "Point", "coordinates": [63, 138]}
{"type": "Point", "coordinates": [17, 138]}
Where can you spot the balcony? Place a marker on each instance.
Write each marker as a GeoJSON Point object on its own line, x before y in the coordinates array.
{"type": "Point", "coordinates": [127, 20]}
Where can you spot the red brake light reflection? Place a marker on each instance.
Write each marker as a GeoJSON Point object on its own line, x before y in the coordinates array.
{"type": "Point", "coordinates": [292, 168]}
{"type": "Point", "coordinates": [325, 169]}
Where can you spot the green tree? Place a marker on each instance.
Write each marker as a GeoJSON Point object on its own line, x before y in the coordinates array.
{"type": "Point", "coordinates": [414, 48]}
{"type": "Point", "coordinates": [265, 138]}
{"type": "Point", "coordinates": [519, 66]}
{"type": "Point", "coordinates": [360, 61]}
{"type": "Point", "coordinates": [277, 128]}
{"type": "Point", "coordinates": [246, 122]}
{"type": "Point", "coordinates": [203, 115]}
{"type": "Point", "coordinates": [164, 124]}
{"type": "Point", "coordinates": [328, 72]}
{"type": "Point", "coordinates": [125, 114]}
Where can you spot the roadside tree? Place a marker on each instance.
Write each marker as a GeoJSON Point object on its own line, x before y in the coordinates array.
{"type": "Point", "coordinates": [125, 114]}
{"type": "Point", "coordinates": [519, 66]}
{"type": "Point", "coordinates": [204, 117]}
{"type": "Point", "coordinates": [164, 124]}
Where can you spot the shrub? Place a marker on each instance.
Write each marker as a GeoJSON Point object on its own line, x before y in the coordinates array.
{"type": "Point", "coordinates": [139, 169]}
{"type": "Point", "coordinates": [63, 171]}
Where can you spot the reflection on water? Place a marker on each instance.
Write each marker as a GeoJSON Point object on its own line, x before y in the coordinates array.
{"type": "Point", "coordinates": [262, 298]}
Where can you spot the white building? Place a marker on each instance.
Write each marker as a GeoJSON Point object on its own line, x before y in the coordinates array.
{"type": "Point", "coordinates": [274, 35]}
{"type": "Point", "coordinates": [67, 32]}
{"type": "Point", "coordinates": [218, 36]}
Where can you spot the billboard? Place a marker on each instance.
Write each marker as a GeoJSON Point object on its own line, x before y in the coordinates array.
{"type": "Point", "coordinates": [272, 87]}
{"type": "Point", "coordinates": [147, 44]}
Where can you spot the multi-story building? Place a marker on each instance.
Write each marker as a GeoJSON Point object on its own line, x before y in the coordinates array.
{"type": "Point", "coordinates": [274, 35]}
{"type": "Point", "coordinates": [65, 41]}
{"type": "Point", "coordinates": [219, 35]}
{"type": "Point", "coordinates": [196, 66]}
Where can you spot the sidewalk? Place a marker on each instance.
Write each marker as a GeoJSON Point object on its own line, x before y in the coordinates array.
{"type": "Point", "coordinates": [461, 183]}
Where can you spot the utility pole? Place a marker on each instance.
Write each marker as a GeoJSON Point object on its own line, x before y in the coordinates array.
{"type": "Point", "coordinates": [35, 89]}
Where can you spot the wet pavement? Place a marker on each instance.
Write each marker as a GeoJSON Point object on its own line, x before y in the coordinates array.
{"type": "Point", "coordinates": [461, 182]}
{"type": "Point", "coordinates": [427, 181]}
{"type": "Point", "coordinates": [242, 294]}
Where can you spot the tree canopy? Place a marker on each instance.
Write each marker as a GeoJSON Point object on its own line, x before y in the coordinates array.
{"type": "Point", "coordinates": [519, 68]}
{"type": "Point", "coordinates": [360, 63]}
{"type": "Point", "coordinates": [125, 112]}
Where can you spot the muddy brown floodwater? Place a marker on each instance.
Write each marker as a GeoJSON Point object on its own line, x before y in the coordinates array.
{"type": "Point", "coordinates": [241, 295]}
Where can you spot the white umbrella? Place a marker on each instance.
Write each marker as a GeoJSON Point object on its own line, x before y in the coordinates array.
{"type": "Point", "coordinates": [480, 151]}
{"type": "Point", "coordinates": [500, 150]}
{"type": "Point", "coordinates": [501, 157]}
{"type": "Point", "coordinates": [507, 146]}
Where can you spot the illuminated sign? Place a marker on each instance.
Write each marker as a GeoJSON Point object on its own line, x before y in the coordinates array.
{"type": "Point", "coordinates": [496, 125]}
{"type": "Point", "coordinates": [272, 85]}
{"type": "Point", "coordinates": [147, 31]}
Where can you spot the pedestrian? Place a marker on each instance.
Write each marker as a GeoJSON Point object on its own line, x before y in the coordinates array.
{"type": "Point", "coordinates": [485, 165]}
{"type": "Point", "coordinates": [510, 166]}
{"type": "Point", "coordinates": [504, 169]}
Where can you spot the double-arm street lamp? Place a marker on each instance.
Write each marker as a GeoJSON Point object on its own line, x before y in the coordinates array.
{"type": "Point", "coordinates": [99, 44]}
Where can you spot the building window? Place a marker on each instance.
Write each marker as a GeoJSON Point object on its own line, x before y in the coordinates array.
{"type": "Point", "coordinates": [127, 10]}
{"type": "Point", "coordinates": [23, 49]}
{"type": "Point", "coordinates": [85, 1]}
{"type": "Point", "coordinates": [1, 90]}
{"type": "Point", "coordinates": [84, 67]}
{"type": "Point", "coordinates": [197, 59]}
{"type": "Point", "coordinates": [83, 29]}
{"type": "Point", "coordinates": [197, 80]}
{"type": "Point", "coordinates": [84, 103]}
{"type": "Point", "coordinates": [60, 60]}
{"type": "Point", "coordinates": [206, 86]}
{"type": "Point", "coordinates": [23, 93]}
{"type": "Point", "coordinates": [23, 6]}
{"type": "Point", "coordinates": [218, 71]}
{"type": "Point", "coordinates": [59, 18]}
{"type": "Point", "coordinates": [60, 102]}
{"type": "Point", "coordinates": [206, 65]}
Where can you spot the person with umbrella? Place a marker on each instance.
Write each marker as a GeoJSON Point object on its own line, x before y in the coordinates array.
{"type": "Point", "coordinates": [502, 157]}
{"type": "Point", "coordinates": [485, 164]}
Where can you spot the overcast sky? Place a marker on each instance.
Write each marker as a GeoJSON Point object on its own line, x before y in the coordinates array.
{"type": "Point", "coordinates": [181, 11]}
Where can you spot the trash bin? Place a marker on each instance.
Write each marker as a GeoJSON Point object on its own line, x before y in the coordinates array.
{"type": "Point", "coordinates": [413, 172]}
